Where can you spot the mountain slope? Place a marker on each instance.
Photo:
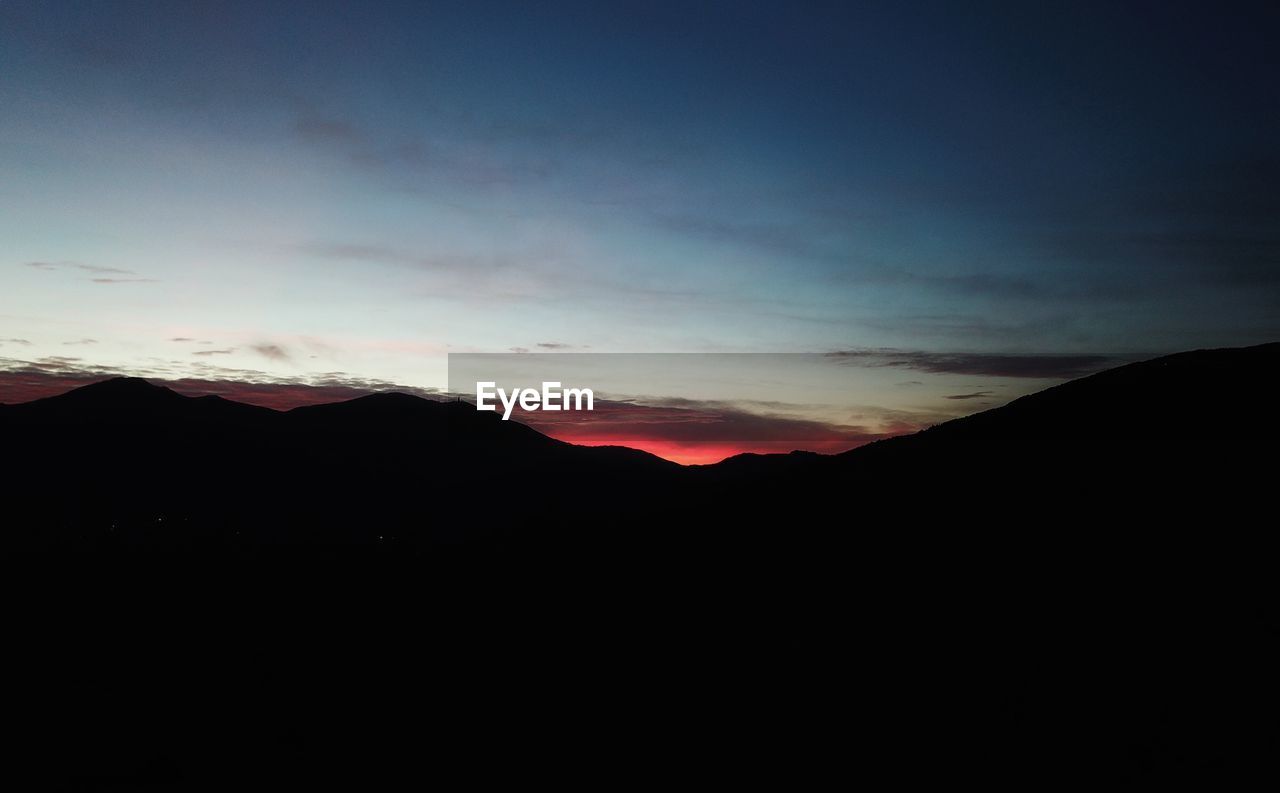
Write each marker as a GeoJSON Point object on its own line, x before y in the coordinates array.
{"type": "Point", "coordinates": [123, 456]}
{"type": "Point", "coordinates": [1076, 586]}
{"type": "Point", "coordinates": [1216, 390]}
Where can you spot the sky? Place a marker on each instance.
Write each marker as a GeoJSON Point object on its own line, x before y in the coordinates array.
{"type": "Point", "coordinates": [342, 194]}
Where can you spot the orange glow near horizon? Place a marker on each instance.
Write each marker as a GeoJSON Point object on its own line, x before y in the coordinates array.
{"type": "Point", "coordinates": [23, 387]}
{"type": "Point", "coordinates": [694, 453]}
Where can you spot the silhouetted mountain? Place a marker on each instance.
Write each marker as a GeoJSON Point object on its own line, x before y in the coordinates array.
{"type": "Point", "coordinates": [113, 461]}
{"type": "Point", "coordinates": [1185, 395]}
{"type": "Point", "coordinates": [1075, 587]}
{"type": "Point", "coordinates": [127, 461]}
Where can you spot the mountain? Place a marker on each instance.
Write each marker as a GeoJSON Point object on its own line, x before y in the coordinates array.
{"type": "Point", "coordinates": [1076, 588]}
{"type": "Point", "coordinates": [126, 461]}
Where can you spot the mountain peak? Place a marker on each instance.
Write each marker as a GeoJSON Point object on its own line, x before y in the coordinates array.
{"type": "Point", "coordinates": [130, 389]}
{"type": "Point", "coordinates": [125, 381]}
{"type": "Point", "coordinates": [124, 385]}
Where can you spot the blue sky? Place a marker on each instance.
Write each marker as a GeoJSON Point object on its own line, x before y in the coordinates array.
{"type": "Point", "coordinates": [295, 189]}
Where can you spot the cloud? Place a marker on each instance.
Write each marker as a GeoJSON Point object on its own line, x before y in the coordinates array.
{"type": "Point", "coordinates": [553, 345]}
{"type": "Point", "coordinates": [272, 351]}
{"type": "Point", "coordinates": [225, 351]}
{"type": "Point", "coordinates": [772, 238]}
{"type": "Point", "coordinates": [104, 275]}
{"type": "Point", "coordinates": [88, 268]}
{"type": "Point", "coordinates": [546, 268]}
{"type": "Point", "coordinates": [1046, 365]}
{"type": "Point", "coordinates": [23, 381]}
{"type": "Point", "coordinates": [81, 341]}
{"type": "Point", "coordinates": [36, 381]}
{"type": "Point", "coordinates": [348, 251]}
{"type": "Point", "coordinates": [314, 129]}
{"type": "Point", "coordinates": [57, 361]}
{"type": "Point", "coordinates": [837, 263]}
{"type": "Point", "coordinates": [690, 421]}
{"type": "Point", "coordinates": [974, 395]}
{"type": "Point", "coordinates": [1214, 223]}
{"type": "Point", "coordinates": [333, 387]}
{"type": "Point", "coordinates": [23, 342]}
{"type": "Point", "coordinates": [469, 161]}
{"type": "Point", "coordinates": [459, 262]}
{"type": "Point", "coordinates": [93, 268]}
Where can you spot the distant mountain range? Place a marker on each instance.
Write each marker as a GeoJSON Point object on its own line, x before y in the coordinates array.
{"type": "Point", "coordinates": [1075, 588]}
{"type": "Point", "coordinates": [125, 462]}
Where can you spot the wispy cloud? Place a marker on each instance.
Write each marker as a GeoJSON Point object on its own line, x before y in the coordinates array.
{"type": "Point", "coordinates": [775, 238]}
{"type": "Point", "coordinates": [1047, 365]}
{"type": "Point", "coordinates": [274, 352]}
{"type": "Point", "coordinates": [838, 262]}
{"type": "Point", "coordinates": [23, 381]}
{"type": "Point", "coordinates": [468, 161]}
{"type": "Point", "coordinates": [69, 265]}
{"type": "Point", "coordinates": [317, 129]}
{"type": "Point", "coordinates": [103, 275]}
{"type": "Point", "coordinates": [480, 263]}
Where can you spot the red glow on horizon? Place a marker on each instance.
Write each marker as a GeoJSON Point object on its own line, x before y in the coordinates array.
{"type": "Point", "coordinates": [705, 453]}
{"type": "Point", "coordinates": [675, 445]}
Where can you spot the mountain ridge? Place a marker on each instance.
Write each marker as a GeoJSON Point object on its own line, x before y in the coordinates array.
{"type": "Point", "coordinates": [126, 449]}
{"type": "Point", "coordinates": [130, 392]}
{"type": "Point", "coordinates": [1057, 583]}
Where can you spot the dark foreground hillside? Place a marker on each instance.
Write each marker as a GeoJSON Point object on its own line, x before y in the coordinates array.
{"type": "Point", "coordinates": [126, 464]}
{"type": "Point", "coordinates": [1076, 588]}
